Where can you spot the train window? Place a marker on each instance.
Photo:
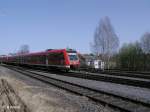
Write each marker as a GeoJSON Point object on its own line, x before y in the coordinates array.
{"type": "Point", "coordinates": [42, 59]}
{"type": "Point", "coordinates": [56, 58]}
{"type": "Point", "coordinates": [72, 56]}
{"type": "Point", "coordinates": [26, 59]}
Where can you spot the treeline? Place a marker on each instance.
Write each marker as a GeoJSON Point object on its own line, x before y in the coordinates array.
{"type": "Point", "coordinates": [133, 57]}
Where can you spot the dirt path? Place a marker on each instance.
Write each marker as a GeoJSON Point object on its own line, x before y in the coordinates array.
{"type": "Point", "coordinates": [9, 100]}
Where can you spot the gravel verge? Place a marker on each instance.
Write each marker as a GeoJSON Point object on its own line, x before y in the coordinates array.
{"type": "Point", "coordinates": [40, 97]}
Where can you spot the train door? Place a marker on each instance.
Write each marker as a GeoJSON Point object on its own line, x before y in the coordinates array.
{"type": "Point", "coordinates": [102, 65]}
{"type": "Point", "coordinates": [96, 64]}
{"type": "Point", "coordinates": [46, 60]}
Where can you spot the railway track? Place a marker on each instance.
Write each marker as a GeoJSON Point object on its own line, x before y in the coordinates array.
{"type": "Point", "coordinates": [128, 74]}
{"type": "Point", "coordinates": [117, 102]}
{"type": "Point", "coordinates": [118, 79]}
{"type": "Point", "coordinates": [138, 82]}
{"type": "Point", "coordinates": [9, 100]}
{"type": "Point", "coordinates": [144, 75]}
{"type": "Point", "coordinates": [116, 70]}
{"type": "Point", "coordinates": [132, 72]}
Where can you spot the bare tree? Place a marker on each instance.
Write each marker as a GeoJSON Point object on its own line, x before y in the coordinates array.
{"type": "Point", "coordinates": [145, 42]}
{"type": "Point", "coordinates": [106, 41]}
{"type": "Point", "coordinates": [24, 49]}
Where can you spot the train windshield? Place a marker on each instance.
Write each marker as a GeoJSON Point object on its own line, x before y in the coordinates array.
{"type": "Point", "coordinates": [72, 56]}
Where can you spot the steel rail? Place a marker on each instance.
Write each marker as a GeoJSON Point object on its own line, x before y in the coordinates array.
{"type": "Point", "coordinates": [137, 82]}
{"type": "Point", "coordinates": [121, 103]}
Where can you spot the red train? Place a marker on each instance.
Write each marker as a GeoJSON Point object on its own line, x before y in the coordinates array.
{"type": "Point", "coordinates": [55, 59]}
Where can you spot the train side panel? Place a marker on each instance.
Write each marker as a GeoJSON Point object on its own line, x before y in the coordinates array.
{"type": "Point", "coordinates": [60, 59]}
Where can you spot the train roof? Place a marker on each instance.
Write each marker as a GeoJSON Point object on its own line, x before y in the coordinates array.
{"type": "Point", "coordinates": [39, 53]}
{"type": "Point", "coordinates": [43, 52]}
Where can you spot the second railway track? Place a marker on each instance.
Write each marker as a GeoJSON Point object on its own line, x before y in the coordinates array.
{"type": "Point", "coordinates": [134, 74]}
{"type": "Point", "coordinates": [118, 79]}
{"type": "Point", "coordinates": [121, 103]}
{"type": "Point", "coordinates": [113, 78]}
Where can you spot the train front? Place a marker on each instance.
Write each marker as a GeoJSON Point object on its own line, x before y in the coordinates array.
{"type": "Point", "coordinates": [73, 59]}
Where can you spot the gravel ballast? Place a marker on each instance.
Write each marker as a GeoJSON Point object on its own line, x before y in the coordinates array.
{"type": "Point", "coordinates": [132, 92]}
{"type": "Point", "coordinates": [40, 97]}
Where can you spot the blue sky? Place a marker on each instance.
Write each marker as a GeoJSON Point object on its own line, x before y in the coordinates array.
{"type": "Point", "coordinates": [44, 24]}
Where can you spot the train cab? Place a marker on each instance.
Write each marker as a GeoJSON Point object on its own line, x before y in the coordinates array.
{"type": "Point", "coordinates": [73, 59]}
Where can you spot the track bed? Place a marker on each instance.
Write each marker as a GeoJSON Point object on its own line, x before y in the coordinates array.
{"type": "Point", "coordinates": [9, 100]}
{"type": "Point", "coordinates": [121, 102]}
